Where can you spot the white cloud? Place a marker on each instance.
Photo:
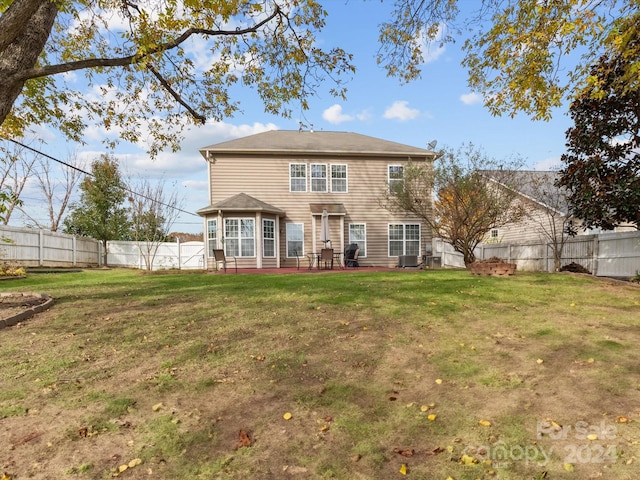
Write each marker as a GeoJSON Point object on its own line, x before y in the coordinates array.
{"type": "Point", "coordinates": [548, 164]}
{"type": "Point", "coordinates": [334, 115]}
{"type": "Point", "coordinates": [400, 110]}
{"type": "Point", "coordinates": [471, 98]}
{"type": "Point", "coordinates": [365, 115]}
{"type": "Point", "coordinates": [432, 48]}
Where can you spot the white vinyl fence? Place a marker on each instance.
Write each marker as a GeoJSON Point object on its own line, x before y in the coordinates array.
{"type": "Point", "coordinates": [605, 255]}
{"type": "Point", "coordinates": [187, 255]}
{"type": "Point", "coordinates": [42, 248]}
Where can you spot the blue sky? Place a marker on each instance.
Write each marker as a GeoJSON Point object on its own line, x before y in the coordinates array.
{"type": "Point", "coordinates": [439, 106]}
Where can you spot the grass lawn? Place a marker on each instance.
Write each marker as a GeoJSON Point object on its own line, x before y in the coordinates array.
{"type": "Point", "coordinates": [407, 374]}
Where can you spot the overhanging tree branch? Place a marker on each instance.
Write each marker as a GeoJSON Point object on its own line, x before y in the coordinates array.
{"type": "Point", "coordinates": [139, 57]}
{"type": "Point", "coordinates": [176, 96]}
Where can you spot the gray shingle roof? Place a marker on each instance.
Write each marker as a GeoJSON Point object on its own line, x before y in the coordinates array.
{"type": "Point", "coordinates": [241, 203]}
{"type": "Point", "coordinates": [537, 185]}
{"type": "Point", "coordinates": [315, 143]}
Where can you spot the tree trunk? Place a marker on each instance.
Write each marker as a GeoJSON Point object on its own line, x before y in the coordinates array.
{"type": "Point", "coordinates": [469, 257]}
{"type": "Point", "coordinates": [23, 48]}
{"type": "Point", "coordinates": [104, 253]}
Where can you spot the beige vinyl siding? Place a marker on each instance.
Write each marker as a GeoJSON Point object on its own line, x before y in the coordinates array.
{"type": "Point", "coordinates": [267, 179]}
{"type": "Point", "coordinates": [530, 228]}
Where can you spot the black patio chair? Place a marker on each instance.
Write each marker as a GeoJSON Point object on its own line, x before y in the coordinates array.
{"type": "Point", "coordinates": [351, 256]}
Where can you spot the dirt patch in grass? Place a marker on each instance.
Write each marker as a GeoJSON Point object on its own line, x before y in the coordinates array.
{"type": "Point", "coordinates": [177, 376]}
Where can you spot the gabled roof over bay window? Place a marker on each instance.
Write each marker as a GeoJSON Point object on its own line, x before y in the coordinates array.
{"type": "Point", "coordinates": [241, 203]}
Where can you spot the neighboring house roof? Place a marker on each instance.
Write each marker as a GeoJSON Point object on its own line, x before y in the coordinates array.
{"type": "Point", "coordinates": [291, 142]}
{"type": "Point", "coordinates": [535, 185]}
{"type": "Point", "coordinates": [241, 203]}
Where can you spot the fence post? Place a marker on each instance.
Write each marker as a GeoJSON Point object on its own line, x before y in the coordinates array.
{"type": "Point", "coordinates": [41, 248]}
{"type": "Point", "coordinates": [596, 254]}
{"type": "Point", "coordinates": [74, 247]}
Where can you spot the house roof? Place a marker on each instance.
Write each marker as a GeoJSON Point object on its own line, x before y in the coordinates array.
{"type": "Point", "coordinates": [241, 203]}
{"type": "Point", "coordinates": [292, 142]}
{"type": "Point", "coordinates": [331, 208]}
{"type": "Point", "coordinates": [538, 186]}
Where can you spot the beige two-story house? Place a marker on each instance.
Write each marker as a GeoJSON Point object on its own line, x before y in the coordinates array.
{"type": "Point", "coordinates": [268, 193]}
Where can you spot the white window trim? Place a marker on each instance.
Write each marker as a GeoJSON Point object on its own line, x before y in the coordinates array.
{"type": "Point", "coordinates": [209, 239]}
{"type": "Point", "coordinates": [404, 238]}
{"type": "Point", "coordinates": [286, 239]}
{"type": "Point", "coordinates": [264, 239]}
{"type": "Point", "coordinates": [366, 247]}
{"type": "Point", "coordinates": [346, 178]}
{"type": "Point", "coordinates": [306, 177]}
{"type": "Point", "coordinates": [326, 177]}
{"type": "Point", "coordinates": [240, 237]}
{"type": "Point", "coordinates": [389, 179]}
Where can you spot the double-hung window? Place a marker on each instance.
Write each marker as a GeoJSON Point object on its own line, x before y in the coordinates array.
{"type": "Point", "coordinates": [239, 237]}
{"type": "Point", "coordinates": [295, 239]}
{"type": "Point", "coordinates": [395, 177]}
{"type": "Point", "coordinates": [339, 178]}
{"type": "Point", "coordinates": [268, 238]}
{"type": "Point", "coordinates": [358, 234]}
{"type": "Point", "coordinates": [404, 239]}
{"type": "Point", "coordinates": [298, 177]}
{"type": "Point", "coordinates": [318, 177]}
{"type": "Point", "coordinates": [212, 236]}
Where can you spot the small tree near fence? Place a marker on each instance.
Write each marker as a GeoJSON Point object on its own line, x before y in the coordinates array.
{"type": "Point", "coordinates": [554, 224]}
{"type": "Point", "coordinates": [99, 213]}
{"type": "Point", "coordinates": [153, 214]}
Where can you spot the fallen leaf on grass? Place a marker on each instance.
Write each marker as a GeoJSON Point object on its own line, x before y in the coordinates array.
{"type": "Point", "coordinates": [287, 416]}
{"type": "Point", "coordinates": [244, 439]}
{"type": "Point", "coordinates": [622, 419]}
{"type": "Point", "coordinates": [568, 467]}
{"type": "Point", "coordinates": [404, 453]}
{"type": "Point", "coordinates": [403, 469]}
{"type": "Point", "coordinates": [485, 423]}
{"type": "Point", "coordinates": [157, 407]}
{"type": "Point", "coordinates": [438, 381]}
{"type": "Point", "coordinates": [539, 361]}
{"type": "Point", "coordinates": [436, 451]}
{"type": "Point", "coordinates": [431, 417]}
{"type": "Point", "coordinates": [468, 460]}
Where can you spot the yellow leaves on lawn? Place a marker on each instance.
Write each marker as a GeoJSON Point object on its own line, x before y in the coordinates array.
{"type": "Point", "coordinates": [126, 466]}
{"type": "Point", "coordinates": [484, 423]}
{"type": "Point", "coordinates": [287, 416]}
{"type": "Point", "coordinates": [568, 467]}
{"type": "Point", "coordinates": [439, 381]}
{"type": "Point", "coordinates": [403, 469]}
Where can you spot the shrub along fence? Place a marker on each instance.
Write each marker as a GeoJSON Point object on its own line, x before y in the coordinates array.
{"type": "Point", "coordinates": [42, 248]}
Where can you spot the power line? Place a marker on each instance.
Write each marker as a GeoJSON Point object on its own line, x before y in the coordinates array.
{"type": "Point", "coordinates": [126, 189]}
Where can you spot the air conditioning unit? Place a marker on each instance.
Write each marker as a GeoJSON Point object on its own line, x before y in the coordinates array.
{"type": "Point", "coordinates": [407, 261]}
